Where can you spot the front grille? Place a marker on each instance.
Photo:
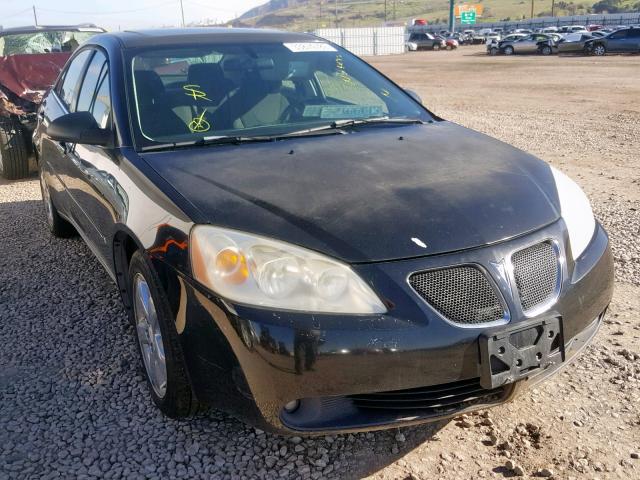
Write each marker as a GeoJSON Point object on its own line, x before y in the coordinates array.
{"type": "Point", "coordinates": [461, 294]}
{"type": "Point", "coordinates": [434, 400]}
{"type": "Point", "coordinates": [536, 270]}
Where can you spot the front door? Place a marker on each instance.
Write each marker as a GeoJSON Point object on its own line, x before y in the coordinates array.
{"type": "Point", "coordinates": [92, 171]}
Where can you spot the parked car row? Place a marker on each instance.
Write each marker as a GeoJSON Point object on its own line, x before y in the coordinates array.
{"type": "Point", "coordinates": [596, 42]}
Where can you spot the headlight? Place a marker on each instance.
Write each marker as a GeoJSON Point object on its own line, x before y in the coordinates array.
{"type": "Point", "coordinates": [576, 212]}
{"type": "Point", "coordinates": [259, 271]}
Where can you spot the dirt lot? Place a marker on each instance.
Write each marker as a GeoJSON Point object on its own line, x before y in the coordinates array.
{"type": "Point", "coordinates": [73, 403]}
{"type": "Point", "coordinates": [582, 114]}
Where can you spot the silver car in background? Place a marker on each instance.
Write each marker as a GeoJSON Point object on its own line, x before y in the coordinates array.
{"type": "Point", "coordinates": [533, 43]}
{"type": "Point", "coordinates": [492, 47]}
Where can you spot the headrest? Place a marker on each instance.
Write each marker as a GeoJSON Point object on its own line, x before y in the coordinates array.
{"type": "Point", "coordinates": [148, 85]}
{"type": "Point", "coordinates": [210, 79]}
{"type": "Point", "coordinates": [272, 71]}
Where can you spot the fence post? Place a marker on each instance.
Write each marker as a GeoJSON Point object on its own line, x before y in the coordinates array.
{"type": "Point", "coordinates": [375, 42]}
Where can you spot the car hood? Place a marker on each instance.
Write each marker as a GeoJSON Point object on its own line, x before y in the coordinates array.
{"type": "Point", "coordinates": [380, 193]}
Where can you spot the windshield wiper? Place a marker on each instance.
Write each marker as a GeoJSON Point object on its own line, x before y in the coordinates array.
{"type": "Point", "coordinates": [376, 121]}
{"type": "Point", "coordinates": [215, 140]}
{"type": "Point", "coordinates": [338, 126]}
{"type": "Point", "coordinates": [335, 127]}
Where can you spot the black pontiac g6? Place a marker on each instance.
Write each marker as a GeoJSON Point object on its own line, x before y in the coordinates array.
{"type": "Point", "coordinates": [301, 243]}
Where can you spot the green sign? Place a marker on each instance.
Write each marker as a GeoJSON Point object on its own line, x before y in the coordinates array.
{"type": "Point", "coordinates": [468, 17]}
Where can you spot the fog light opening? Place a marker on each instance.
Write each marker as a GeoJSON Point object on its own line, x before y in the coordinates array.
{"type": "Point", "coordinates": [292, 406]}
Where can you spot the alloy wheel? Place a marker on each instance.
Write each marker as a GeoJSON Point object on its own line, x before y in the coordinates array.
{"type": "Point", "coordinates": [599, 50]}
{"type": "Point", "coordinates": [149, 336]}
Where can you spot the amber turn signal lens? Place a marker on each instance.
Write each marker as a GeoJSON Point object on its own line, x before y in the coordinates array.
{"type": "Point", "coordinates": [232, 265]}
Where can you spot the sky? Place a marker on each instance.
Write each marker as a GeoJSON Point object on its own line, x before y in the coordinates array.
{"type": "Point", "coordinates": [120, 14]}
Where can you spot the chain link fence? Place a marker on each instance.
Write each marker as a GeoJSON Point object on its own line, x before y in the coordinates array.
{"type": "Point", "coordinates": [367, 41]}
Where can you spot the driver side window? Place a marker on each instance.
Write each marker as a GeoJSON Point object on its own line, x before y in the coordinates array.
{"type": "Point", "coordinates": [95, 95]}
{"type": "Point", "coordinates": [70, 86]}
{"type": "Point", "coordinates": [618, 35]}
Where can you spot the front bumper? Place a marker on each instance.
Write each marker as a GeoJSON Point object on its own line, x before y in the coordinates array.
{"type": "Point", "coordinates": [252, 362]}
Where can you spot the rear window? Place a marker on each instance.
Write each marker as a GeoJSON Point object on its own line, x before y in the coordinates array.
{"type": "Point", "coordinates": [43, 42]}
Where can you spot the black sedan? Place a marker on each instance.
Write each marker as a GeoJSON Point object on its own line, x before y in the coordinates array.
{"type": "Point", "coordinates": [301, 243]}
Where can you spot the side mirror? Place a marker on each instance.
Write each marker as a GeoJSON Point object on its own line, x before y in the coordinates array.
{"type": "Point", "coordinates": [413, 95]}
{"type": "Point", "coordinates": [78, 127]}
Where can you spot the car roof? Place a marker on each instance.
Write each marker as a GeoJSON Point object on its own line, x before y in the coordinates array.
{"type": "Point", "coordinates": [190, 36]}
{"type": "Point", "coordinates": [49, 28]}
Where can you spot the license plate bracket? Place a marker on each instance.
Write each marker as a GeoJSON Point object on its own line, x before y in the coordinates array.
{"type": "Point", "coordinates": [519, 351]}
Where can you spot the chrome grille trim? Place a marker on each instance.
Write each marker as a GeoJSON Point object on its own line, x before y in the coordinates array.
{"type": "Point", "coordinates": [537, 274]}
{"type": "Point", "coordinates": [461, 294]}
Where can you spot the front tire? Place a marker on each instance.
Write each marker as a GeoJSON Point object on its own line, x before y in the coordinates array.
{"type": "Point", "coordinates": [493, 51]}
{"type": "Point", "coordinates": [436, 47]}
{"type": "Point", "coordinates": [58, 226]}
{"type": "Point", "coordinates": [546, 50]}
{"type": "Point", "coordinates": [509, 50]}
{"type": "Point", "coordinates": [14, 157]}
{"type": "Point", "coordinates": [158, 342]}
{"type": "Point", "coordinates": [599, 50]}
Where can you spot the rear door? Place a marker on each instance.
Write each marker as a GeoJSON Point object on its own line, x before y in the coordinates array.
{"type": "Point", "coordinates": [58, 102]}
{"type": "Point", "coordinates": [525, 45]}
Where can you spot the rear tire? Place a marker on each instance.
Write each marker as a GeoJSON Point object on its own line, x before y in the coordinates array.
{"type": "Point", "coordinates": [546, 50]}
{"type": "Point", "coordinates": [58, 226]}
{"type": "Point", "coordinates": [436, 47]}
{"type": "Point", "coordinates": [159, 346]}
{"type": "Point", "coordinates": [14, 157]}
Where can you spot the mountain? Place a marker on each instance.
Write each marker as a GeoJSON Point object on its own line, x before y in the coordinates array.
{"type": "Point", "coordinates": [311, 14]}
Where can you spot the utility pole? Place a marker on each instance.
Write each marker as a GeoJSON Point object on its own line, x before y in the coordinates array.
{"type": "Point", "coordinates": [35, 17]}
{"type": "Point", "coordinates": [182, 12]}
{"type": "Point", "coordinates": [452, 17]}
{"type": "Point", "coordinates": [394, 9]}
{"type": "Point", "coordinates": [532, 1]}
{"type": "Point", "coordinates": [553, 8]}
{"type": "Point", "coordinates": [336, 12]}
{"type": "Point", "coordinates": [385, 10]}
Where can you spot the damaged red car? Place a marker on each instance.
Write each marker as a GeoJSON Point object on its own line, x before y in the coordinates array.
{"type": "Point", "coordinates": [30, 60]}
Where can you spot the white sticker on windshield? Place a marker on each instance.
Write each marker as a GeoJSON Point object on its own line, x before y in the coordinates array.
{"type": "Point", "coordinates": [309, 47]}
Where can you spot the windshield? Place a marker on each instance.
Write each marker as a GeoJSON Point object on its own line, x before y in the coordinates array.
{"type": "Point", "coordinates": [42, 42]}
{"type": "Point", "coordinates": [268, 89]}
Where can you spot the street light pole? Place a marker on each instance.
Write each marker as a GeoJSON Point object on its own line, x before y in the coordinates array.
{"type": "Point", "coordinates": [452, 18]}
{"type": "Point", "coordinates": [182, 12]}
{"type": "Point", "coordinates": [35, 17]}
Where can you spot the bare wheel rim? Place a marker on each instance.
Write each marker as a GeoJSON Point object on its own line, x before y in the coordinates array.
{"type": "Point", "coordinates": [149, 336]}
{"type": "Point", "coordinates": [46, 199]}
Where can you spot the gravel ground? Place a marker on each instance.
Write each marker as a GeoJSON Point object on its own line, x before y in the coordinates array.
{"type": "Point", "coordinates": [73, 402]}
